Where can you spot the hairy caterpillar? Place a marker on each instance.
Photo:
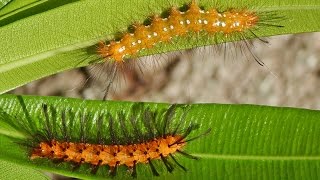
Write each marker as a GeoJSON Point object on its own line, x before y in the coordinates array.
{"type": "Point", "coordinates": [112, 141]}
{"type": "Point", "coordinates": [188, 21]}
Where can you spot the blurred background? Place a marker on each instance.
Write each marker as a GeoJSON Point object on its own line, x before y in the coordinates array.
{"type": "Point", "coordinates": [291, 76]}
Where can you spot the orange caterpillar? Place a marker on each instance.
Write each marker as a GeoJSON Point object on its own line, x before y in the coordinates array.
{"type": "Point", "coordinates": [160, 141]}
{"type": "Point", "coordinates": [111, 155]}
{"type": "Point", "coordinates": [178, 23]}
{"type": "Point", "coordinates": [239, 24]}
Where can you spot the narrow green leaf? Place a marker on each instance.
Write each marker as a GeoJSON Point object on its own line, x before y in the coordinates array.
{"type": "Point", "coordinates": [9, 171]}
{"type": "Point", "coordinates": [3, 3]}
{"type": "Point", "coordinates": [246, 142]}
{"type": "Point", "coordinates": [51, 42]}
{"type": "Point", "coordinates": [18, 10]}
{"type": "Point", "coordinates": [17, 6]}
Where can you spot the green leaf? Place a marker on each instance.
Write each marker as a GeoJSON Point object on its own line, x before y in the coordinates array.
{"type": "Point", "coordinates": [3, 3]}
{"type": "Point", "coordinates": [10, 171]}
{"type": "Point", "coordinates": [16, 6]}
{"type": "Point", "coordinates": [246, 141]}
{"type": "Point", "coordinates": [53, 41]}
{"type": "Point", "coordinates": [18, 10]}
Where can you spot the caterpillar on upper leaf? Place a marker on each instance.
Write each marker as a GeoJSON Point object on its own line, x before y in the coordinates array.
{"type": "Point", "coordinates": [190, 21]}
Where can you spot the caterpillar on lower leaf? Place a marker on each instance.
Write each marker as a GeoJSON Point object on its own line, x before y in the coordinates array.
{"type": "Point", "coordinates": [103, 140]}
{"type": "Point", "coordinates": [189, 21]}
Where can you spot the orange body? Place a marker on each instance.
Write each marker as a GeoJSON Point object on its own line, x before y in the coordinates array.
{"type": "Point", "coordinates": [177, 24]}
{"type": "Point", "coordinates": [111, 155]}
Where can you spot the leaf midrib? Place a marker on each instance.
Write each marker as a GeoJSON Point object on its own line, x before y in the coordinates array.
{"type": "Point", "coordinates": [44, 55]}
{"type": "Point", "coordinates": [255, 157]}
{"type": "Point", "coordinates": [291, 7]}
{"type": "Point", "coordinates": [27, 6]}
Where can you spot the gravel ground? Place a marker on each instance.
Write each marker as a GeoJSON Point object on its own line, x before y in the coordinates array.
{"type": "Point", "coordinates": [291, 77]}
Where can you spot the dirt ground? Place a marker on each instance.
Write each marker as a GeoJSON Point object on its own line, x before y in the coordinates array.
{"type": "Point", "coordinates": [290, 77]}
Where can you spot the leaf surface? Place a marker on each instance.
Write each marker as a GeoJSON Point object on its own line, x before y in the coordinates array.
{"type": "Point", "coordinates": [246, 141]}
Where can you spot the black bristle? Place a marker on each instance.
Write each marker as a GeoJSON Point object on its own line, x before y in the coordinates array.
{"type": "Point", "coordinates": [64, 126]}
{"type": "Point", "coordinates": [54, 116]}
{"type": "Point", "coordinates": [168, 118]}
{"type": "Point", "coordinates": [194, 138]}
{"type": "Point", "coordinates": [113, 171]}
{"type": "Point", "coordinates": [94, 169]}
{"type": "Point", "coordinates": [146, 119]}
{"type": "Point", "coordinates": [187, 155]}
{"type": "Point", "coordinates": [82, 128]}
{"type": "Point", "coordinates": [136, 131]}
{"type": "Point", "coordinates": [167, 163]}
{"type": "Point", "coordinates": [48, 129]}
{"type": "Point", "coordinates": [127, 138]}
{"type": "Point", "coordinates": [174, 159]}
{"type": "Point", "coordinates": [75, 166]}
{"type": "Point", "coordinates": [134, 171]}
{"type": "Point", "coordinates": [100, 140]}
{"type": "Point", "coordinates": [58, 161]}
{"type": "Point", "coordinates": [111, 130]}
{"type": "Point", "coordinates": [153, 169]}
